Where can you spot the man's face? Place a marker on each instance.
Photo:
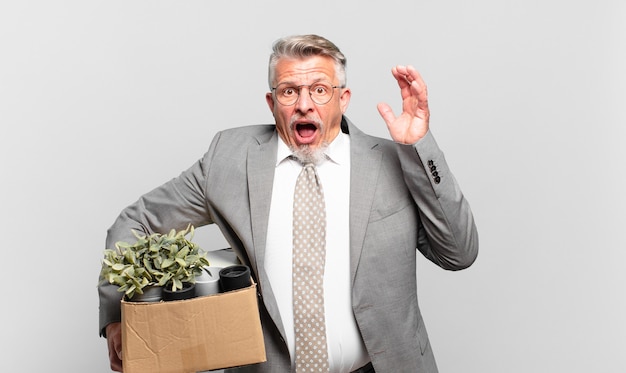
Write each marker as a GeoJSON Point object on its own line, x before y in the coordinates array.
{"type": "Point", "coordinates": [305, 122]}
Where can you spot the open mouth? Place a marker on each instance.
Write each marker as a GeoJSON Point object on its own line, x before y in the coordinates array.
{"type": "Point", "coordinates": [305, 132]}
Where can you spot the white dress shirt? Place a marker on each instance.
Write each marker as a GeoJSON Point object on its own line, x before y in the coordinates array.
{"type": "Point", "coordinates": [346, 350]}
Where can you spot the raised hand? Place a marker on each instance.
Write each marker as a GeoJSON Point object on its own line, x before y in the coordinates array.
{"type": "Point", "coordinates": [412, 124]}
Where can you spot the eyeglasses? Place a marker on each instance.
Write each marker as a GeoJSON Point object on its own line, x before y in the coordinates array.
{"type": "Point", "coordinates": [321, 92]}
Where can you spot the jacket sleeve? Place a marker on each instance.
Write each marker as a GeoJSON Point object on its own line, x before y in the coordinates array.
{"type": "Point", "coordinates": [173, 205]}
{"type": "Point", "coordinates": [447, 235]}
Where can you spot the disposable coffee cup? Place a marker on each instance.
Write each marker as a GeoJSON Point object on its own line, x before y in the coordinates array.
{"type": "Point", "coordinates": [208, 282]}
{"type": "Point", "coordinates": [235, 277]}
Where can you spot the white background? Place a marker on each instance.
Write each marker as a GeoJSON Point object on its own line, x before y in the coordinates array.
{"type": "Point", "coordinates": [100, 101]}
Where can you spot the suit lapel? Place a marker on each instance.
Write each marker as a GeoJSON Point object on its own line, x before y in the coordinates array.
{"type": "Point", "coordinates": [261, 167]}
{"type": "Point", "coordinates": [365, 163]}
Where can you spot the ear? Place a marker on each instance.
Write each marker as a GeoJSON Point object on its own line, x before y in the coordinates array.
{"type": "Point", "coordinates": [344, 99]}
{"type": "Point", "coordinates": [270, 101]}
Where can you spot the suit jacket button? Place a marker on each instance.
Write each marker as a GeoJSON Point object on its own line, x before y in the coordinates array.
{"type": "Point", "coordinates": [430, 163]}
{"type": "Point", "coordinates": [437, 179]}
{"type": "Point", "coordinates": [435, 173]}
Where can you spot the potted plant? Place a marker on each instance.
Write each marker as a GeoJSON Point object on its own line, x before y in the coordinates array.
{"type": "Point", "coordinates": [168, 261]}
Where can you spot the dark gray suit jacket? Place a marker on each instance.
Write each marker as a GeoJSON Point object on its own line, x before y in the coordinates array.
{"type": "Point", "coordinates": [402, 198]}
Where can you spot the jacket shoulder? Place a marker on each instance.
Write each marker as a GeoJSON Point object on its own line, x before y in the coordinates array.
{"type": "Point", "coordinates": [259, 131]}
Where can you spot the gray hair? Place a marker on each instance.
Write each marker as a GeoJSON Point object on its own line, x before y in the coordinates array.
{"type": "Point", "coordinates": [302, 46]}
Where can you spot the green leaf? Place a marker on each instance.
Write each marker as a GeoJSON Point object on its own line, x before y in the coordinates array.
{"type": "Point", "coordinates": [118, 280]}
{"type": "Point", "coordinates": [166, 277]}
{"type": "Point", "coordinates": [122, 245]}
{"type": "Point", "coordinates": [183, 252]}
{"type": "Point", "coordinates": [177, 284]}
{"type": "Point", "coordinates": [167, 262]}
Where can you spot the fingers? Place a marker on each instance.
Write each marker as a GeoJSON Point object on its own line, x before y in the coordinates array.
{"type": "Point", "coordinates": [407, 73]}
{"type": "Point", "coordinates": [400, 73]}
{"type": "Point", "coordinates": [410, 82]}
{"type": "Point", "coordinates": [115, 363]}
{"type": "Point", "coordinates": [418, 84]}
{"type": "Point", "coordinates": [386, 112]}
{"type": "Point", "coordinates": [115, 359]}
{"type": "Point", "coordinates": [114, 343]}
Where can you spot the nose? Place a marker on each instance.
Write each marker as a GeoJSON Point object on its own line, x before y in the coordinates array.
{"type": "Point", "coordinates": [304, 104]}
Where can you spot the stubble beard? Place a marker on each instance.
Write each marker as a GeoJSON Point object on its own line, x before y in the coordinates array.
{"type": "Point", "coordinates": [306, 154]}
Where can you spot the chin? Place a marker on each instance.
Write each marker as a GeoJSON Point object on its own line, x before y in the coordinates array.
{"type": "Point", "coordinates": [307, 154]}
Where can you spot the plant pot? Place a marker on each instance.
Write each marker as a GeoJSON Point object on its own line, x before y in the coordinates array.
{"type": "Point", "coordinates": [187, 292]}
{"type": "Point", "coordinates": [235, 277]}
{"type": "Point", "coordinates": [151, 293]}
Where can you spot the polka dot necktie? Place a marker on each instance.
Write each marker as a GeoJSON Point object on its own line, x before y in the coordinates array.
{"type": "Point", "coordinates": [309, 254]}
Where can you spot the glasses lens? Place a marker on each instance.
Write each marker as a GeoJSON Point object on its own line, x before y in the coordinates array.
{"type": "Point", "coordinates": [320, 93]}
{"type": "Point", "coordinates": [287, 94]}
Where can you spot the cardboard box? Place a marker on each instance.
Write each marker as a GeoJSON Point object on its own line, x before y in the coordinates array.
{"type": "Point", "coordinates": [205, 333]}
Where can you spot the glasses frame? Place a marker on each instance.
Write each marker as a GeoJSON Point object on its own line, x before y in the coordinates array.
{"type": "Point", "coordinates": [308, 86]}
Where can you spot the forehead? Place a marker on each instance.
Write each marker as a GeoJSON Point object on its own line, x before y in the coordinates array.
{"type": "Point", "coordinates": [305, 70]}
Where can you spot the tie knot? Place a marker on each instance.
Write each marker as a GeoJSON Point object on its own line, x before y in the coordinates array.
{"type": "Point", "coordinates": [309, 173]}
